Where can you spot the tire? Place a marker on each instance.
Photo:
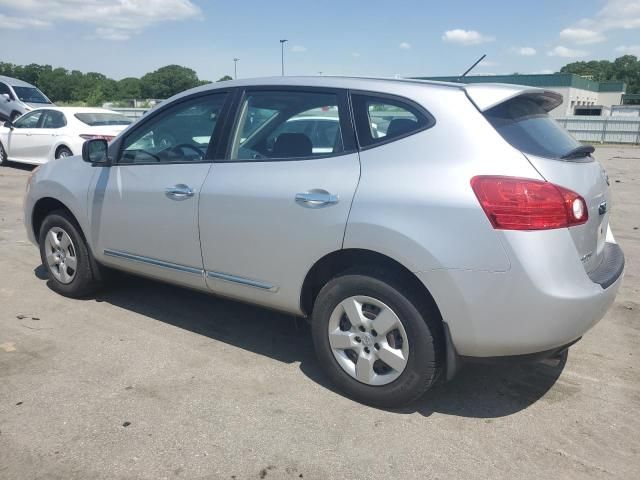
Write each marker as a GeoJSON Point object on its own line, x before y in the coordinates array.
{"type": "Point", "coordinates": [72, 279]}
{"type": "Point", "coordinates": [62, 152]}
{"type": "Point", "coordinates": [420, 326]}
{"type": "Point", "coordinates": [3, 156]}
{"type": "Point", "coordinates": [14, 116]}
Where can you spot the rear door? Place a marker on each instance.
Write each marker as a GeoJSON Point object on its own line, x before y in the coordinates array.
{"type": "Point", "coordinates": [524, 122]}
{"type": "Point", "coordinates": [45, 137]}
{"type": "Point", "coordinates": [271, 207]}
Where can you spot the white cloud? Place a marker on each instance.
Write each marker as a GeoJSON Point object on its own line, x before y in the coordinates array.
{"type": "Point", "coordinates": [466, 37]}
{"type": "Point", "coordinates": [629, 49]}
{"type": "Point", "coordinates": [405, 45]}
{"type": "Point", "coordinates": [524, 51]}
{"type": "Point", "coordinates": [581, 36]}
{"type": "Point", "coordinates": [113, 19]}
{"type": "Point", "coordinates": [298, 49]}
{"type": "Point", "coordinates": [565, 52]}
{"type": "Point", "coordinates": [18, 23]}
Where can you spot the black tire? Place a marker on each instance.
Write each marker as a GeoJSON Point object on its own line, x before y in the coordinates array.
{"type": "Point", "coordinates": [421, 323]}
{"type": "Point", "coordinates": [14, 116]}
{"type": "Point", "coordinates": [88, 276]}
{"type": "Point", "coordinates": [3, 155]}
{"type": "Point", "coordinates": [63, 152]}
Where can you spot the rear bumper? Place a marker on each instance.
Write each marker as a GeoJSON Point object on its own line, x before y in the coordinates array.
{"type": "Point", "coordinates": [544, 302]}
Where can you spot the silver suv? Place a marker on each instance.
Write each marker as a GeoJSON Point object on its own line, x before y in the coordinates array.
{"type": "Point", "coordinates": [18, 97]}
{"type": "Point", "coordinates": [439, 223]}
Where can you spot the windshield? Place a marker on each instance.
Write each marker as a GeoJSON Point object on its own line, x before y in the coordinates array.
{"type": "Point", "coordinates": [528, 127]}
{"type": "Point", "coordinates": [30, 95]}
{"type": "Point", "coordinates": [98, 119]}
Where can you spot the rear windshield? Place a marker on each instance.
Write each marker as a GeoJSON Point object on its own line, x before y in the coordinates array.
{"type": "Point", "coordinates": [30, 95]}
{"type": "Point", "coordinates": [97, 119]}
{"type": "Point", "coordinates": [528, 127]}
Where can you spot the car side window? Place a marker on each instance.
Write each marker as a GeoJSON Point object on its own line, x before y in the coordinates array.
{"type": "Point", "coordinates": [53, 119]}
{"type": "Point", "coordinates": [28, 120]}
{"type": "Point", "coordinates": [282, 125]}
{"type": "Point", "coordinates": [382, 119]}
{"type": "Point", "coordinates": [179, 134]}
{"type": "Point", "coordinates": [4, 89]}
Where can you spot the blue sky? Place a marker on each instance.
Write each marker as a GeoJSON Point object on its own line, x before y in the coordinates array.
{"type": "Point", "coordinates": [123, 38]}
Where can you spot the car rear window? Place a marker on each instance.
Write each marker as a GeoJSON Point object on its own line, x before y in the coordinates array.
{"type": "Point", "coordinates": [380, 119]}
{"type": "Point", "coordinates": [96, 119]}
{"type": "Point", "coordinates": [526, 125]}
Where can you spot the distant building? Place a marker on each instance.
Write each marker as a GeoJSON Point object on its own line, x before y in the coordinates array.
{"type": "Point", "coordinates": [581, 96]}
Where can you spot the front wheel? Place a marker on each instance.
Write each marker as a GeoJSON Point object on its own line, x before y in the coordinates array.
{"type": "Point", "coordinates": [3, 155]}
{"type": "Point", "coordinates": [72, 270]}
{"type": "Point", "coordinates": [375, 339]}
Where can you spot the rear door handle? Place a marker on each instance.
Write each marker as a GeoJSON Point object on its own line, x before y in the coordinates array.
{"type": "Point", "coordinates": [179, 192]}
{"type": "Point", "coordinates": [316, 199]}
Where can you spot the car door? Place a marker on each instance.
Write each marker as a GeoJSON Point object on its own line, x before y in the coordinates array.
{"type": "Point", "coordinates": [143, 208]}
{"type": "Point", "coordinates": [22, 140]}
{"type": "Point", "coordinates": [270, 208]}
{"type": "Point", "coordinates": [44, 138]}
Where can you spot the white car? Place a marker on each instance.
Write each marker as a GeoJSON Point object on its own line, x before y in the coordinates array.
{"type": "Point", "coordinates": [54, 132]}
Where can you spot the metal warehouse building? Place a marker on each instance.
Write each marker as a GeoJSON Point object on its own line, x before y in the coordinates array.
{"type": "Point", "coordinates": [580, 95]}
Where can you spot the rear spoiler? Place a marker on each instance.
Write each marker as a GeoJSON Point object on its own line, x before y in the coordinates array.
{"type": "Point", "coordinates": [488, 95]}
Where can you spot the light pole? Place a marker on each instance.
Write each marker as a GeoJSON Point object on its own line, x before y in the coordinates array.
{"type": "Point", "coordinates": [235, 68]}
{"type": "Point", "coordinates": [282, 42]}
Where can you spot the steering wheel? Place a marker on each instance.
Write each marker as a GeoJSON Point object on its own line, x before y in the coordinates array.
{"type": "Point", "coordinates": [189, 146]}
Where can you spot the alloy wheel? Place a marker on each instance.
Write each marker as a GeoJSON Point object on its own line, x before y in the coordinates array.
{"type": "Point", "coordinates": [368, 340]}
{"type": "Point", "coordinates": [61, 255]}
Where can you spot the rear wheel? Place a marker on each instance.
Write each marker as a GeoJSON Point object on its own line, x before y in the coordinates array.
{"type": "Point", "coordinates": [63, 152]}
{"type": "Point", "coordinates": [375, 340]}
{"type": "Point", "coordinates": [64, 253]}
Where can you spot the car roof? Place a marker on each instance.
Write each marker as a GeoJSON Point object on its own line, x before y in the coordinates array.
{"type": "Point", "coordinates": [14, 82]}
{"type": "Point", "coordinates": [483, 95]}
{"type": "Point", "coordinates": [72, 110]}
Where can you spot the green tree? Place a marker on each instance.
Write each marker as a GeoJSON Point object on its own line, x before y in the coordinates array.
{"type": "Point", "coordinates": [225, 78]}
{"type": "Point", "coordinates": [625, 68]}
{"type": "Point", "coordinates": [167, 81]}
{"type": "Point", "coordinates": [129, 88]}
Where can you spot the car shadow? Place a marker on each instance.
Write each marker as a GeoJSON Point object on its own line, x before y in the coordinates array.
{"type": "Point", "coordinates": [478, 391]}
{"type": "Point", "coordinates": [20, 166]}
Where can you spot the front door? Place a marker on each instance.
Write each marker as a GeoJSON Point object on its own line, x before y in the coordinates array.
{"type": "Point", "coordinates": [144, 210]}
{"type": "Point", "coordinates": [23, 139]}
{"type": "Point", "coordinates": [277, 202]}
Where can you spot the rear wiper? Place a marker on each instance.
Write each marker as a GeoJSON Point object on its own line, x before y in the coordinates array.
{"type": "Point", "coordinates": [581, 151]}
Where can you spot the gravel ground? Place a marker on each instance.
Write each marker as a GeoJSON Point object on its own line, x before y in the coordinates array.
{"type": "Point", "coordinates": [149, 381]}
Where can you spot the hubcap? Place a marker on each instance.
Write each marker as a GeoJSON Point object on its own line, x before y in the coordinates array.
{"type": "Point", "coordinates": [60, 255]}
{"type": "Point", "coordinates": [368, 340]}
{"type": "Point", "coordinates": [63, 154]}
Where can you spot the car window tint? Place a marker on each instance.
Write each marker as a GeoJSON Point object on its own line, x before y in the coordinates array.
{"type": "Point", "coordinates": [4, 89]}
{"type": "Point", "coordinates": [284, 125]}
{"type": "Point", "coordinates": [53, 119]}
{"type": "Point", "coordinates": [181, 133]}
{"type": "Point", "coordinates": [380, 119]}
{"type": "Point", "coordinates": [28, 120]}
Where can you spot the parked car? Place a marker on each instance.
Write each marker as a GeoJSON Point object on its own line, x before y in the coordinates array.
{"type": "Point", "coordinates": [474, 227]}
{"type": "Point", "coordinates": [55, 132]}
{"type": "Point", "coordinates": [18, 97]}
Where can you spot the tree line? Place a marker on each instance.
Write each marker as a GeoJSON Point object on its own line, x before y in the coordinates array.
{"type": "Point", "coordinates": [73, 86]}
{"type": "Point", "coordinates": [625, 68]}
{"type": "Point", "coordinates": [62, 85]}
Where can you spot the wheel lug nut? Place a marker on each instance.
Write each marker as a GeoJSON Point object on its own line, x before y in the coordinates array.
{"type": "Point", "coordinates": [358, 339]}
{"type": "Point", "coordinates": [374, 333]}
{"type": "Point", "coordinates": [376, 346]}
{"type": "Point", "coordinates": [361, 328]}
{"type": "Point", "coordinates": [366, 349]}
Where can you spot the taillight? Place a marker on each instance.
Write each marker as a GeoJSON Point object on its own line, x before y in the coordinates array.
{"type": "Point", "coordinates": [523, 204]}
{"type": "Point", "coordinates": [89, 136]}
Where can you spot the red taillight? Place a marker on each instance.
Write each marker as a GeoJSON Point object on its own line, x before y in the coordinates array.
{"type": "Point", "coordinates": [523, 204]}
{"type": "Point", "coordinates": [90, 136]}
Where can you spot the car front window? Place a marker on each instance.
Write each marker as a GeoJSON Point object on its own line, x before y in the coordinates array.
{"type": "Point", "coordinates": [29, 120]}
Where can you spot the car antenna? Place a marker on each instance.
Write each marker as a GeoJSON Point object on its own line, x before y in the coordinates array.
{"type": "Point", "coordinates": [472, 66]}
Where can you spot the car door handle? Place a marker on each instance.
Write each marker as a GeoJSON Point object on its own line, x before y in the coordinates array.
{"type": "Point", "coordinates": [316, 199]}
{"type": "Point", "coordinates": [179, 192]}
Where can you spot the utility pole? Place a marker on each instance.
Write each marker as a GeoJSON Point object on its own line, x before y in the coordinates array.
{"type": "Point", "coordinates": [282, 42]}
{"type": "Point", "coordinates": [235, 68]}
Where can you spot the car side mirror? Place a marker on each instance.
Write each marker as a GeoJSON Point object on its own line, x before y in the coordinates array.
{"type": "Point", "coordinates": [9, 124]}
{"type": "Point", "coordinates": [6, 97]}
{"type": "Point", "coordinates": [95, 151]}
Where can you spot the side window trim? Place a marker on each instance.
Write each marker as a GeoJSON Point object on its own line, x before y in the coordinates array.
{"type": "Point", "coordinates": [161, 113]}
{"type": "Point", "coordinates": [345, 114]}
{"type": "Point", "coordinates": [430, 119]}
